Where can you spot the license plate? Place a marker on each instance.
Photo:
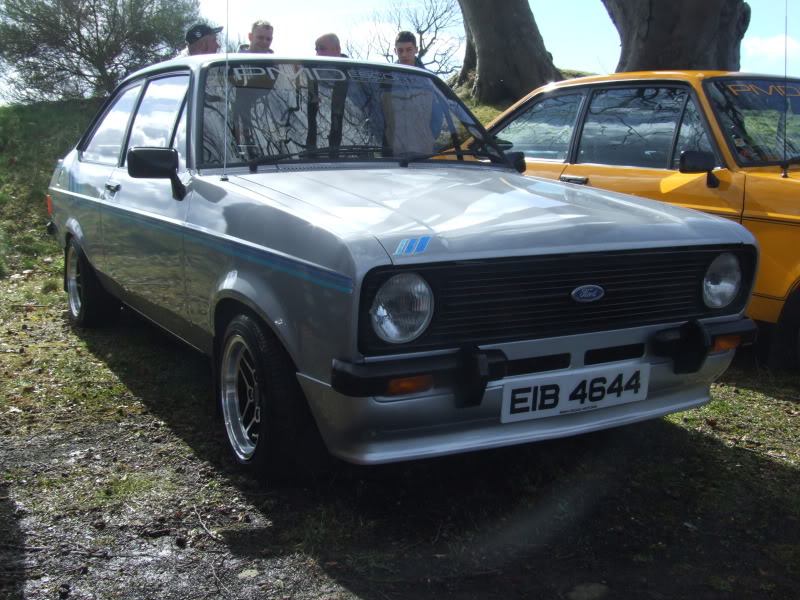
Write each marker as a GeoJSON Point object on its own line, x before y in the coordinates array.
{"type": "Point", "coordinates": [540, 396]}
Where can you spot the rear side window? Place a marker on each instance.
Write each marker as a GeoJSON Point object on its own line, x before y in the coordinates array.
{"type": "Point", "coordinates": [106, 142]}
{"type": "Point", "coordinates": [544, 130]}
{"type": "Point", "coordinates": [158, 112]}
{"type": "Point", "coordinates": [631, 127]}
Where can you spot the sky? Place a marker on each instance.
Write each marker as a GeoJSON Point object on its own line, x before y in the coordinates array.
{"type": "Point", "coordinates": [578, 33]}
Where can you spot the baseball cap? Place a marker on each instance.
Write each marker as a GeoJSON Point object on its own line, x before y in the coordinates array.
{"type": "Point", "coordinates": [200, 30]}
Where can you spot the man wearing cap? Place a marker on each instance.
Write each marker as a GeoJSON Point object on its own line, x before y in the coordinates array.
{"type": "Point", "coordinates": [202, 39]}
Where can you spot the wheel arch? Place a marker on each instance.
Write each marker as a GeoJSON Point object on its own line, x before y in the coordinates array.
{"type": "Point", "coordinates": [232, 305]}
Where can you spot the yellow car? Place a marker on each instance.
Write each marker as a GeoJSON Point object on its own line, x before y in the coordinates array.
{"type": "Point", "coordinates": [724, 143]}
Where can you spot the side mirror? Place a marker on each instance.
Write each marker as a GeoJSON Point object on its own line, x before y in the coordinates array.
{"type": "Point", "coordinates": [504, 145]}
{"type": "Point", "coordinates": [156, 163]}
{"type": "Point", "coordinates": [517, 160]}
{"type": "Point", "coordinates": [695, 161]}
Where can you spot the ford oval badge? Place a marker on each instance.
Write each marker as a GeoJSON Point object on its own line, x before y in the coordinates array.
{"type": "Point", "coordinates": [588, 293]}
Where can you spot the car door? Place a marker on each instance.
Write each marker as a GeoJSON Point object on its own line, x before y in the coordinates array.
{"type": "Point", "coordinates": [142, 223]}
{"type": "Point", "coordinates": [542, 129]}
{"type": "Point", "coordinates": [631, 139]}
{"type": "Point", "coordinates": [97, 159]}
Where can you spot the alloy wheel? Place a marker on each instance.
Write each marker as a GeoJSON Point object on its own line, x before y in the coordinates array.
{"type": "Point", "coordinates": [241, 407]}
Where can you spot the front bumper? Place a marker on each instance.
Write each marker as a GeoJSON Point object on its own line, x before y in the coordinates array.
{"type": "Point", "coordinates": [361, 425]}
{"type": "Point", "coordinates": [470, 369]}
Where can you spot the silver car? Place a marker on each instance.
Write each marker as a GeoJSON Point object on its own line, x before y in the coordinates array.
{"type": "Point", "coordinates": [358, 277]}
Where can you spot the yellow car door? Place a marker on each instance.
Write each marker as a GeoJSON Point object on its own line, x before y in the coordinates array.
{"type": "Point", "coordinates": [631, 140]}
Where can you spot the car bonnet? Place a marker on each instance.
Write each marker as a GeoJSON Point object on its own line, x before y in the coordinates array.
{"type": "Point", "coordinates": [423, 213]}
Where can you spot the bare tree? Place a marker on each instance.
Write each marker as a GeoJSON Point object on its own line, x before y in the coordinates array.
{"type": "Point", "coordinates": [77, 48]}
{"type": "Point", "coordinates": [436, 23]}
{"type": "Point", "coordinates": [679, 34]}
{"type": "Point", "coordinates": [509, 53]}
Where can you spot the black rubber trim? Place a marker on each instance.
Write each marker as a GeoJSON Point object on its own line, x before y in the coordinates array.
{"type": "Point", "coordinates": [470, 369]}
{"type": "Point", "coordinates": [689, 345]}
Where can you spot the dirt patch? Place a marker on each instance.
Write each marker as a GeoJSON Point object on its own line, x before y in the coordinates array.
{"type": "Point", "coordinates": [115, 484]}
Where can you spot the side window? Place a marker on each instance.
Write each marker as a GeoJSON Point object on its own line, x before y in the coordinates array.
{"type": "Point", "coordinates": [180, 143]}
{"type": "Point", "coordinates": [106, 142]}
{"type": "Point", "coordinates": [544, 130]}
{"type": "Point", "coordinates": [158, 112]}
{"type": "Point", "coordinates": [692, 135]}
{"type": "Point", "coordinates": [631, 127]}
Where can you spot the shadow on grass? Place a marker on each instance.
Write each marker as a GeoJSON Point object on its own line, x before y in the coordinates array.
{"type": "Point", "coordinates": [12, 572]}
{"type": "Point", "coordinates": [652, 510]}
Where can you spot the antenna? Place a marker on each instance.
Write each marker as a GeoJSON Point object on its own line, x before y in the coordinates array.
{"type": "Point", "coordinates": [225, 127]}
{"type": "Point", "coordinates": [785, 164]}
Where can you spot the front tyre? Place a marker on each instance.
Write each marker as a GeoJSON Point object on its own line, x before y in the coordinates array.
{"type": "Point", "coordinates": [263, 410]}
{"type": "Point", "coordinates": [90, 304]}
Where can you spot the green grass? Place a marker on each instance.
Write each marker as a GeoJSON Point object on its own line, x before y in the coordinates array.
{"type": "Point", "coordinates": [32, 139]}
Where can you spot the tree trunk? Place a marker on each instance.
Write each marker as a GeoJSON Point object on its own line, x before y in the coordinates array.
{"type": "Point", "coordinates": [679, 34]}
{"type": "Point", "coordinates": [470, 59]}
{"type": "Point", "coordinates": [510, 52]}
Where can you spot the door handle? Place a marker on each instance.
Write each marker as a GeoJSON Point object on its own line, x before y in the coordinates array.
{"type": "Point", "coordinates": [574, 179]}
{"type": "Point", "coordinates": [113, 187]}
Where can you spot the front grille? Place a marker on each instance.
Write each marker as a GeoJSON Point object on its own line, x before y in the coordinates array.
{"type": "Point", "coordinates": [497, 300]}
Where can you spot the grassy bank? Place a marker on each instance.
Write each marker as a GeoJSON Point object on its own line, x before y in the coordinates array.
{"type": "Point", "coordinates": [32, 139]}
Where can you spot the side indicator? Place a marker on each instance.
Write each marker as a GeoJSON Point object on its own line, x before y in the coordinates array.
{"type": "Point", "coordinates": [724, 343]}
{"type": "Point", "coordinates": [409, 385]}
{"type": "Point", "coordinates": [49, 204]}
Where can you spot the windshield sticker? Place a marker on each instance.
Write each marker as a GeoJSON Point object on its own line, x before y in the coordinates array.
{"type": "Point", "coordinates": [382, 76]}
{"type": "Point", "coordinates": [317, 73]}
{"type": "Point", "coordinates": [772, 90]}
{"type": "Point", "coordinates": [244, 72]}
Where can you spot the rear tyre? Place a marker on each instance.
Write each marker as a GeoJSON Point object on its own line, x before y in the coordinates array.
{"type": "Point", "coordinates": [784, 341]}
{"type": "Point", "coordinates": [90, 304]}
{"type": "Point", "coordinates": [265, 416]}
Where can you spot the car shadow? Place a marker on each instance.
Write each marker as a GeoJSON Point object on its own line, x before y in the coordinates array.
{"type": "Point", "coordinates": [651, 508]}
{"type": "Point", "coordinates": [12, 571]}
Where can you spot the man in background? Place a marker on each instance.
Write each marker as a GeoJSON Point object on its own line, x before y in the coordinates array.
{"type": "Point", "coordinates": [405, 47]}
{"type": "Point", "coordinates": [260, 37]}
{"type": "Point", "coordinates": [202, 39]}
{"type": "Point", "coordinates": [328, 45]}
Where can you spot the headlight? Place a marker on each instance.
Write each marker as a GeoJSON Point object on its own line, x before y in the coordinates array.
{"type": "Point", "coordinates": [722, 282]}
{"type": "Point", "coordinates": [402, 308]}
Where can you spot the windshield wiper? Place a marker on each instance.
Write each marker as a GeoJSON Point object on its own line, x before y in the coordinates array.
{"type": "Point", "coordinates": [328, 151]}
{"type": "Point", "coordinates": [409, 158]}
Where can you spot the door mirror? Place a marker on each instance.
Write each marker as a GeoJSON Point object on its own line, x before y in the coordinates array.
{"type": "Point", "coordinates": [695, 161]}
{"type": "Point", "coordinates": [152, 163]}
{"type": "Point", "coordinates": [156, 163]}
{"type": "Point", "coordinates": [504, 145]}
{"type": "Point", "coordinates": [517, 160]}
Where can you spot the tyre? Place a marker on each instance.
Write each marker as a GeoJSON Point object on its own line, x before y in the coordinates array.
{"type": "Point", "coordinates": [784, 339]}
{"type": "Point", "coordinates": [90, 304]}
{"type": "Point", "coordinates": [268, 426]}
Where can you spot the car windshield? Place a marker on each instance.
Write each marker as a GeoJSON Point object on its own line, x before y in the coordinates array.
{"type": "Point", "coordinates": [313, 110]}
{"type": "Point", "coordinates": [760, 117]}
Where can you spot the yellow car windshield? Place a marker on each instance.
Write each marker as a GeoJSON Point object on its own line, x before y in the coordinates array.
{"type": "Point", "coordinates": [760, 118]}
